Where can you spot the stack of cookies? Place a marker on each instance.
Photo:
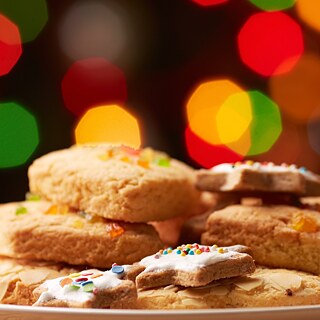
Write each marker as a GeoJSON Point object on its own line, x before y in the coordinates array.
{"type": "Point", "coordinates": [89, 207]}
{"type": "Point", "coordinates": [269, 217]}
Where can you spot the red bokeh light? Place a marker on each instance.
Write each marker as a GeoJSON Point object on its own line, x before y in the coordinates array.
{"type": "Point", "coordinates": [207, 3]}
{"type": "Point", "coordinates": [270, 43]}
{"type": "Point", "coordinates": [93, 82]}
{"type": "Point", "coordinates": [10, 45]}
{"type": "Point", "coordinates": [208, 155]}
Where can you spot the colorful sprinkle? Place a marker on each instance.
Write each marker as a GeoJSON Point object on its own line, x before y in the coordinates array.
{"type": "Point", "coordinates": [21, 210]}
{"type": "Point", "coordinates": [178, 251]}
{"type": "Point", "coordinates": [144, 164]}
{"type": "Point", "coordinates": [198, 251]}
{"type": "Point", "coordinates": [157, 256]}
{"type": "Point", "coordinates": [65, 282]}
{"type": "Point", "coordinates": [165, 252]}
{"type": "Point", "coordinates": [86, 274]}
{"type": "Point", "coordinates": [96, 275]}
{"type": "Point", "coordinates": [117, 269]}
{"type": "Point", "coordinates": [191, 252]}
{"type": "Point", "coordinates": [220, 250]}
{"type": "Point", "coordinates": [75, 275]}
{"type": "Point", "coordinates": [183, 254]}
{"type": "Point", "coordinates": [79, 280]}
{"type": "Point", "coordinates": [88, 286]}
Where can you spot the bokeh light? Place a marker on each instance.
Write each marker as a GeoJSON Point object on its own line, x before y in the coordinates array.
{"type": "Point", "coordinates": [309, 12]}
{"type": "Point", "coordinates": [109, 123]}
{"type": "Point", "coordinates": [204, 104]}
{"type": "Point", "coordinates": [266, 124]}
{"type": "Point", "coordinates": [207, 3]}
{"type": "Point", "coordinates": [92, 82]}
{"type": "Point", "coordinates": [19, 135]}
{"type": "Point", "coordinates": [10, 45]}
{"type": "Point", "coordinates": [273, 5]}
{"type": "Point", "coordinates": [30, 16]}
{"type": "Point", "coordinates": [208, 155]}
{"type": "Point", "coordinates": [234, 117]}
{"type": "Point", "coordinates": [270, 43]}
{"type": "Point", "coordinates": [297, 93]}
{"type": "Point", "coordinates": [92, 29]}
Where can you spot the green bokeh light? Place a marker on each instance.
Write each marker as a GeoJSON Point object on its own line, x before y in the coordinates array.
{"type": "Point", "coordinates": [273, 5]}
{"type": "Point", "coordinates": [266, 123]}
{"type": "Point", "coordinates": [29, 15]}
{"type": "Point", "coordinates": [19, 135]}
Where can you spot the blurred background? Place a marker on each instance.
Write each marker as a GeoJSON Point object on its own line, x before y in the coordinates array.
{"type": "Point", "coordinates": [207, 81]}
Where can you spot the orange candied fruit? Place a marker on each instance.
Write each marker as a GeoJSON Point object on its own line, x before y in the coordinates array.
{"type": "Point", "coordinates": [114, 229]}
{"type": "Point", "coordinates": [58, 209]}
{"type": "Point", "coordinates": [144, 164]}
{"type": "Point", "coordinates": [304, 223]}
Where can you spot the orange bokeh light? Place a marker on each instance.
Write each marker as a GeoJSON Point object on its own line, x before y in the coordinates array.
{"type": "Point", "coordinates": [112, 124]}
{"type": "Point", "coordinates": [309, 12]}
{"type": "Point", "coordinates": [203, 107]}
{"type": "Point", "coordinates": [297, 93]}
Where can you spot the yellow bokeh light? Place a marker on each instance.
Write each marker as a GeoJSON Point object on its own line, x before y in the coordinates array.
{"type": "Point", "coordinates": [204, 104]}
{"type": "Point", "coordinates": [309, 12]}
{"type": "Point", "coordinates": [110, 124]}
{"type": "Point", "coordinates": [297, 92]}
{"type": "Point", "coordinates": [234, 118]}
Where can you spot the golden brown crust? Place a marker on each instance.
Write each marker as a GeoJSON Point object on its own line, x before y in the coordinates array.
{"type": "Point", "coordinates": [264, 288]}
{"type": "Point", "coordinates": [280, 236]}
{"type": "Point", "coordinates": [71, 238]}
{"type": "Point", "coordinates": [113, 188]}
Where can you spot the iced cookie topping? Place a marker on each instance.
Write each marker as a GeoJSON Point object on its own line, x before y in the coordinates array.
{"type": "Point", "coordinates": [188, 257]}
{"type": "Point", "coordinates": [261, 166]}
{"type": "Point", "coordinates": [82, 286]}
{"type": "Point", "coordinates": [142, 157]}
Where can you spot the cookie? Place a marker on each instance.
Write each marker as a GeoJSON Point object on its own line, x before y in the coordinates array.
{"type": "Point", "coordinates": [252, 177]}
{"type": "Point", "coordinates": [279, 236]}
{"type": "Point", "coordinates": [194, 265]}
{"type": "Point", "coordinates": [38, 230]}
{"type": "Point", "coordinates": [117, 183]}
{"type": "Point", "coordinates": [89, 289]}
{"type": "Point", "coordinates": [264, 288]}
{"type": "Point", "coordinates": [18, 278]}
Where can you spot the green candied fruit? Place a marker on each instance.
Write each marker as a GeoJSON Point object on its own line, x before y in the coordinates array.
{"type": "Point", "coordinates": [21, 210]}
{"type": "Point", "coordinates": [163, 162]}
{"type": "Point", "coordinates": [32, 197]}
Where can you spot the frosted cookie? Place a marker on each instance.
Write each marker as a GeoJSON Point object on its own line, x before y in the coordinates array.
{"type": "Point", "coordinates": [264, 288]}
{"type": "Point", "coordinates": [251, 177]}
{"type": "Point", "coordinates": [194, 265]}
{"type": "Point", "coordinates": [279, 236]}
{"type": "Point", "coordinates": [89, 289]}
{"type": "Point", "coordinates": [38, 230]}
{"type": "Point", "coordinates": [18, 278]}
{"type": "Point", "coordinates": [117, 183]}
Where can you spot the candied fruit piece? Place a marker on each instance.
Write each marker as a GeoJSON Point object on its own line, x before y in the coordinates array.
{"type": "Point", "coordinates": [304, 223]}
{"type": "Point", "coordinates": [58, 209]}
{"type": "Point", "coordinates": [78, 224]}
{"type": "Point", "coordinates": [114, 229]}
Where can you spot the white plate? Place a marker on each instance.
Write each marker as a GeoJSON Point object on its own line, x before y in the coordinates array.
{"type": "Point", "coordinates": [8, 312]}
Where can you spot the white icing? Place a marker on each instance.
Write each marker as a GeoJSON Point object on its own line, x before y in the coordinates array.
{"type": "Point", "coordinates": [257, 166]}
{"type": "Point", "coordinates": [173, 260]}
{"type": "Point", "coordinates": [108, 279]}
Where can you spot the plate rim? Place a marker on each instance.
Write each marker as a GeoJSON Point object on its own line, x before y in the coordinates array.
{"type": "Point", "coordinates": [143, 312]}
